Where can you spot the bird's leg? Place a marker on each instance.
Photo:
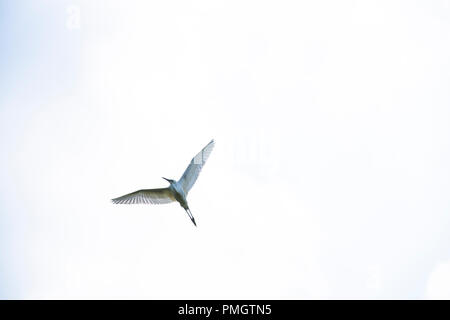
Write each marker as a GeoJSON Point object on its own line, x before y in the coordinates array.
{"type": "Point", "coordinates": [190, 216]}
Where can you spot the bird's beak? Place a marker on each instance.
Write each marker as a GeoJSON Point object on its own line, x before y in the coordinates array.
{"type": "Point", "coordinates": [166, 179]}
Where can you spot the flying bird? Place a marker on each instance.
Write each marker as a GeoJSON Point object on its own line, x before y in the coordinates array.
{"type": "Point", "coordinates": [177, 191]}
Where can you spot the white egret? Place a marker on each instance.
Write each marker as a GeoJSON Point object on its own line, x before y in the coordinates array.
{"type": "Point", "coordinates": [177, 191]}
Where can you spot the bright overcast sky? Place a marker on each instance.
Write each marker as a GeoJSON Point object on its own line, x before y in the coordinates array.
{"type": "Point", "coordinates": [330, 177]}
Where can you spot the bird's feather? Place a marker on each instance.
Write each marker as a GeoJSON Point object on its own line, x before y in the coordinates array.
{"type": "Point", "coordinates": [191, 173]}
{"type": "Point", "coordinates": [146, 196]}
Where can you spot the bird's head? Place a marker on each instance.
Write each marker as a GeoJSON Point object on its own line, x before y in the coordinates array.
{"type": "Point", "coordinates": [169, 180]}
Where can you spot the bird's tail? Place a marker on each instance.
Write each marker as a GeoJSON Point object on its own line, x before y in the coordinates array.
{"type": "Point", "coordinates": [190, 216]}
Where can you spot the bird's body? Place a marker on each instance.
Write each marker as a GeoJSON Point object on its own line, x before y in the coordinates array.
{"type": "Point", "coordinates": [177, 191]}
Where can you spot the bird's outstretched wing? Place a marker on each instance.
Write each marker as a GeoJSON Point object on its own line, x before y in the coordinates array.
{"type": "Point", "coordinates": [193, 170]}
{"type": "Point", "coordinates": [147, 196]}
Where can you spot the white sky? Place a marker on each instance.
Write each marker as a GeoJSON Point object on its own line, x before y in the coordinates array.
{"type": "Point", "coordinates": [330, 175]}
